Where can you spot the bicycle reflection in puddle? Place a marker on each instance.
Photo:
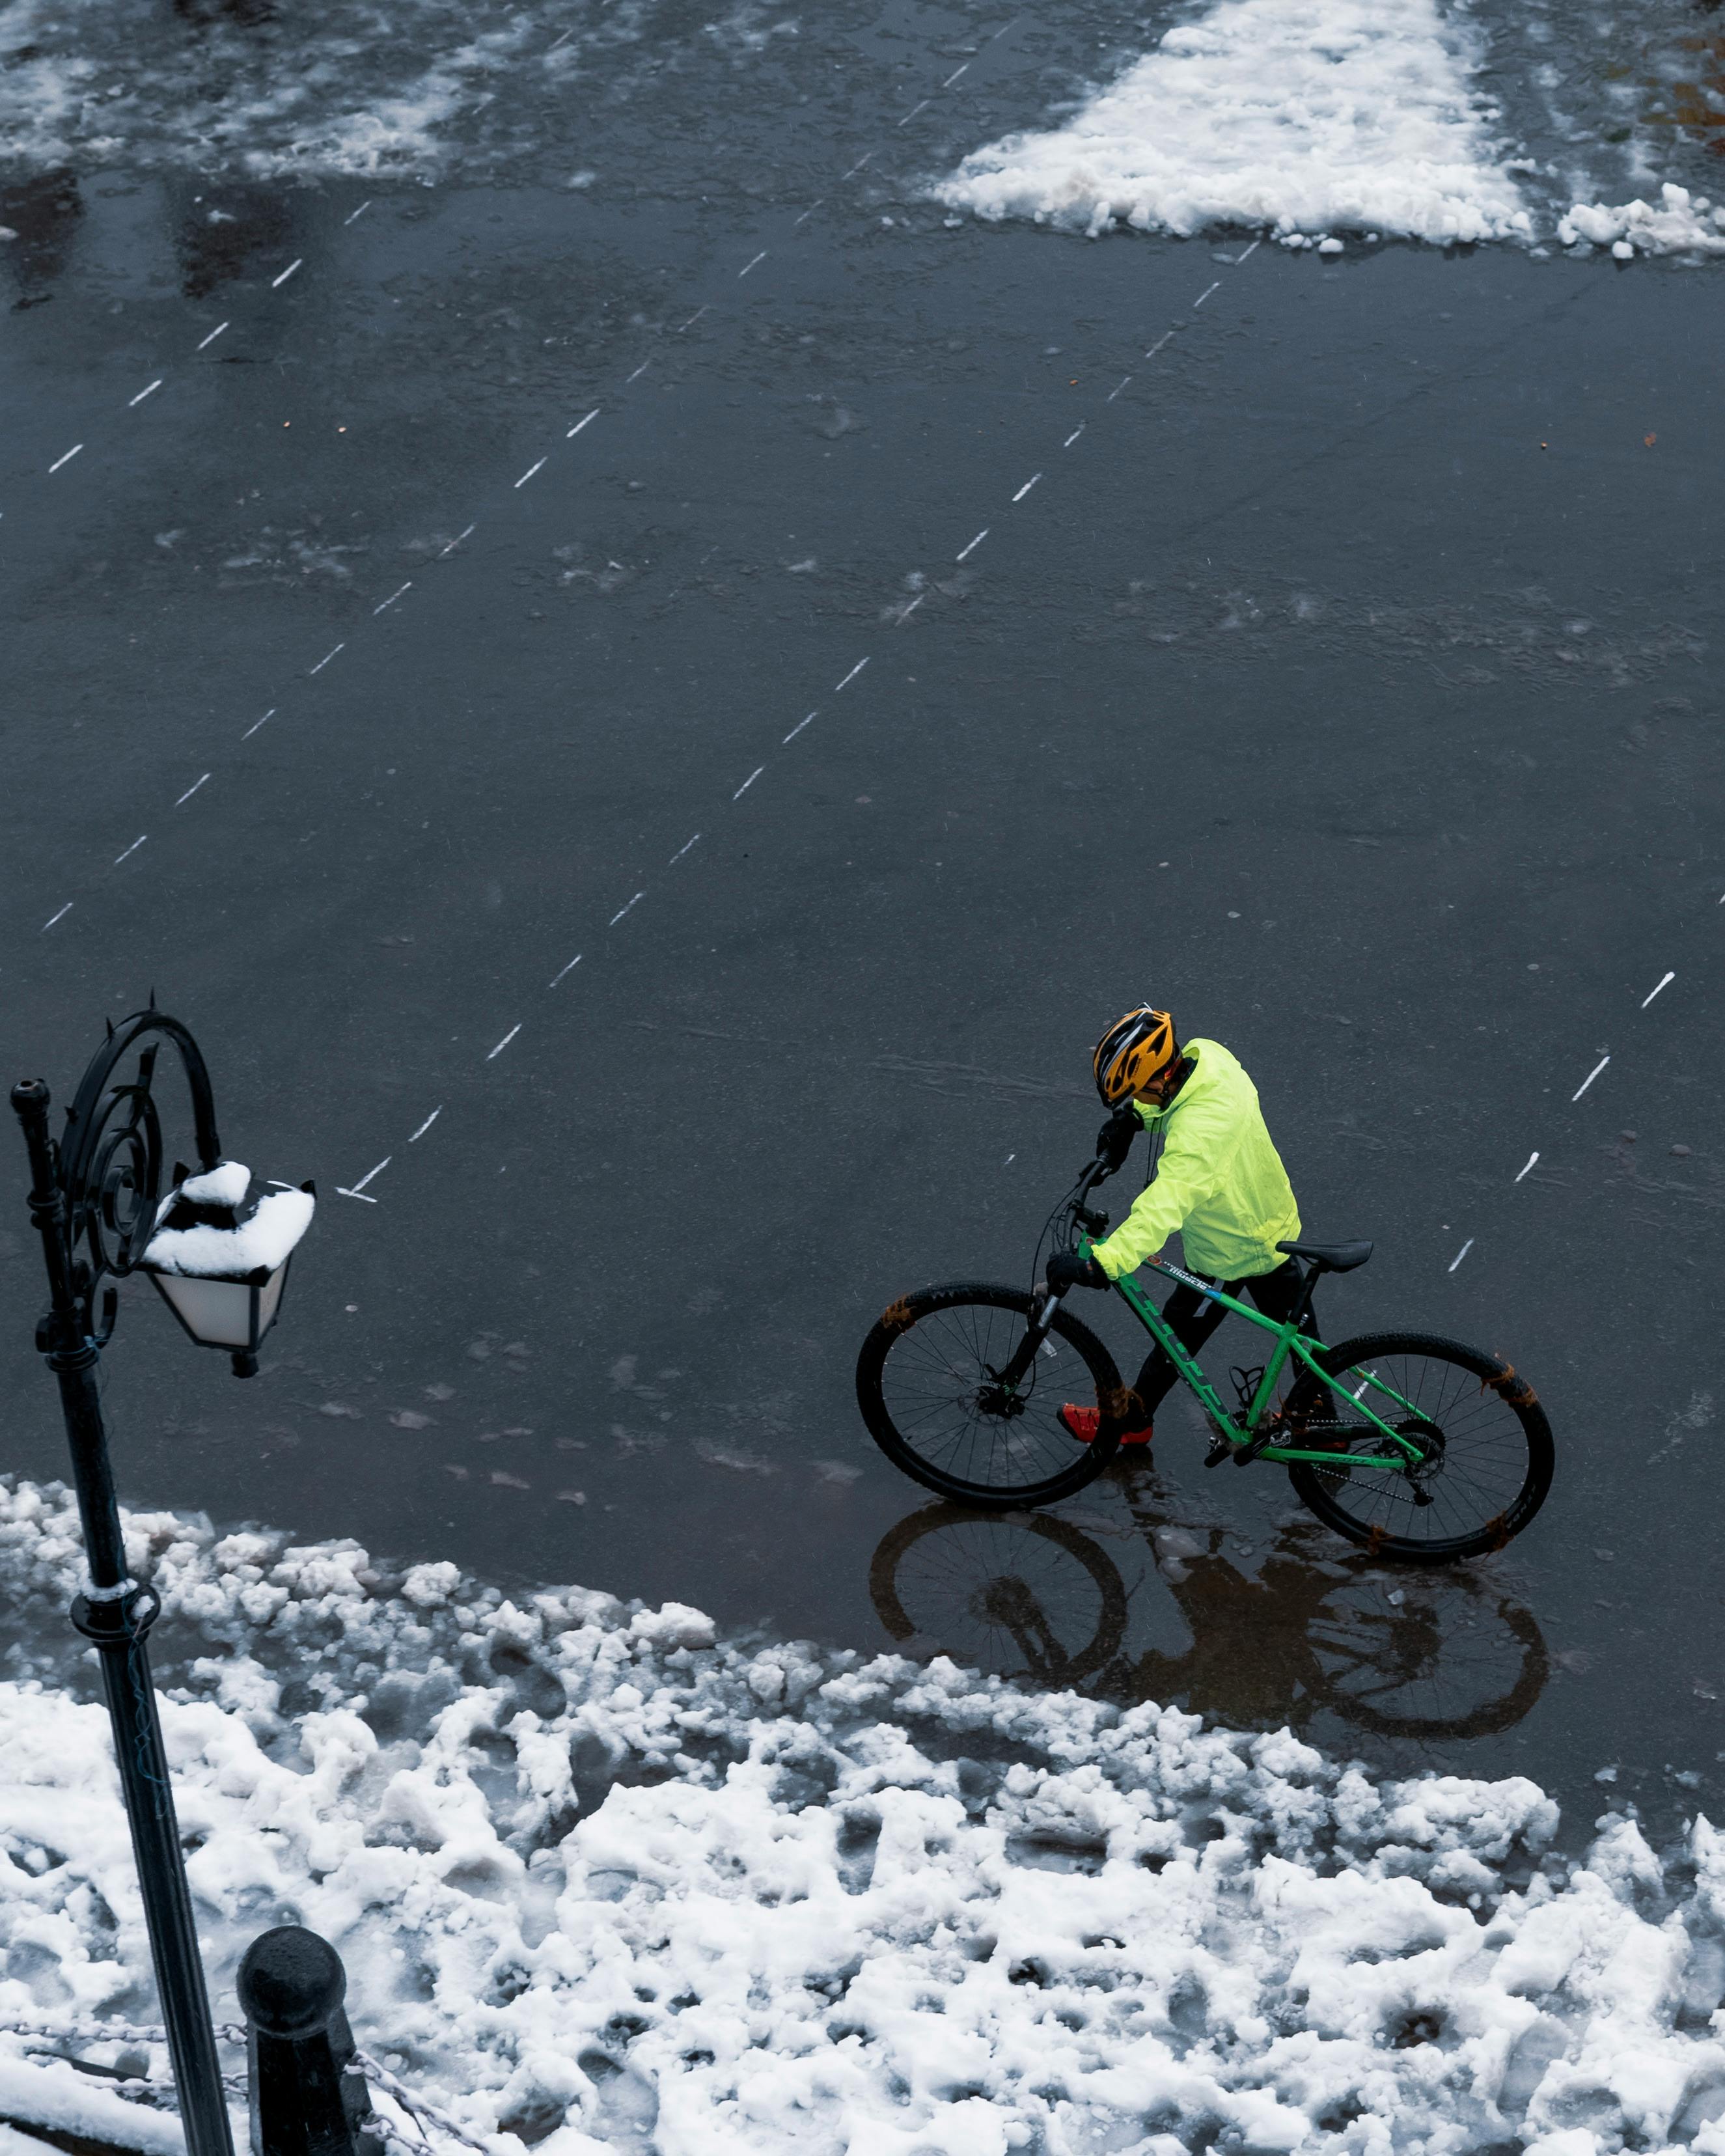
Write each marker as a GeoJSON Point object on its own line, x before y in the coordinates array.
{"type": "Point", "coordinates": [1299, 1634]}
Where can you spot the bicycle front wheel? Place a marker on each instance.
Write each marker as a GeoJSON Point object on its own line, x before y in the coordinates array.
{"type": "Point", "coordinates": [1488, 1446]}
{"type": "Point", "coordinates": [1030, 1600]}
{"type": "Point", "coordinates": [927, 1382]}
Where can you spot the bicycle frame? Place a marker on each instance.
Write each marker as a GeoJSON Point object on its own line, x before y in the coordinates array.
{"type": "Point", "coordinates": [1290, 1342]}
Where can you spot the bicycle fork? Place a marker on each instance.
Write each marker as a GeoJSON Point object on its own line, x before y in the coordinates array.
{"type": "Point", "coordinates": [1013, 1372]}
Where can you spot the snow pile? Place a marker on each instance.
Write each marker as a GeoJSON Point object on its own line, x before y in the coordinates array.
{"type": "Point", "coordinates": [1682, 223]}
{"type": "Point", "coordinates": [258, 1243]}
{"type": "Point", "coordinates": [1299, 116]}
{"type": "Point", "coordinates": [602, 1881]}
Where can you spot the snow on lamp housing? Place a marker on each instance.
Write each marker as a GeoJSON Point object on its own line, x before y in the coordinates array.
{"type": "Point", "coordinates": [219, 1257]}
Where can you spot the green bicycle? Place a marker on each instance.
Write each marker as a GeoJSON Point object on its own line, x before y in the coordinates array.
{"type": "Point", "coordinates": [1413, 1446]}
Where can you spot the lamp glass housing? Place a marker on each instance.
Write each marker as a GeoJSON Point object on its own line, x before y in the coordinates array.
{"type": "Point", "coordinates": [231, 1314]}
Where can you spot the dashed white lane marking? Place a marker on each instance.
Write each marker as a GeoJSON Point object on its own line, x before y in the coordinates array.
{"type": "Point", "coordinates": [1249, 251]}
{"type": "Point", "coordinates": [1461, 1254]}
{"type": "Point", "coordinates": [356, 1189]}
{"type": "Point", "coordinates": [281, 279]}
{"type": "Point", "coordinates": [342, 1191]}
{"type": "Point", "coordinates": [1205, 294]}
{"type": "Point", "coordinates": [810, 211]}
{"type": "Point", "coordinates": [1590, 1078]}
{"type": "Point", "coordinates": [60, 916]}
{"type": "Point", "coordinates": [1113, 393]}
{"type": "Point", "coordinates": [639, 371]}
{"type": "Point", "coordinates": [905, 612]}
{"type": "Point", "coordinates": [687, 845]}
{"type": "Point", "coordinates": [954, 76]}
{"type": "Point", "coordinates": [569, 437]}
{"type": "Point", "coordinates": [972, 547]}
{"type": "Point", "coordinates": [699, 311]}
{"type": "Point", "coordinates": [425, 1126]}
{"type": "Point", "coordinates": [563, 40]}
{"type": "Point", "coordinates": [856, 168]}
{"type": "Point", "coordinates": [912, 113]}
{"type": "Point", "coordinates": [1665, 983]}
{"type": "Point", "coordinates": [1531, 1157]}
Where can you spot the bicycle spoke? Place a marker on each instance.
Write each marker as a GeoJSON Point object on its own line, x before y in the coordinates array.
{"type": "Point", "coordinates": [1480, 1462]}
{"type": "Point", "coordinates": [939, 1387]}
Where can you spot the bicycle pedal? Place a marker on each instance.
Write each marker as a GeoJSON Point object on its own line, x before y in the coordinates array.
{"type": "Point", "coordinates": [1254, 1447]}
{"type": "Point", "coordinates": [1220, 1450]}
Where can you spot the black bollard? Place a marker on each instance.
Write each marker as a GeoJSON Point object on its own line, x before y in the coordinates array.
{"type": "Point", "coordinates": [304, 2101]}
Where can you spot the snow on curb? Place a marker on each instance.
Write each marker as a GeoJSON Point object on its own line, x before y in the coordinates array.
{"type": "Point", "coordinates": [604, 1880]}
{"type": "Point", "coordinates": [1300, 117]}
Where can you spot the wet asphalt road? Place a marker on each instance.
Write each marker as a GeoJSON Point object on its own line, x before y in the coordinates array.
{"type": "Point", "coordinates": [1348, 683]}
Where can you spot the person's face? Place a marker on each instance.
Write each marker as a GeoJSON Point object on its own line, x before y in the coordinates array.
{"type": "Point", "coordinates": [1159, 1089]}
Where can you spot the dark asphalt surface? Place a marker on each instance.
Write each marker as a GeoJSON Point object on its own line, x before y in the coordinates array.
{"type": "Point", "coordinates": [1348, 683]}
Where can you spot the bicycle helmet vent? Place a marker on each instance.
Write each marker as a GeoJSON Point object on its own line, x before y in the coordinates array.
{"type": "Point", "coordinates": [1131, 1051]}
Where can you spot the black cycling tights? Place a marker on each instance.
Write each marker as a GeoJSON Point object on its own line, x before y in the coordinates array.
{"type": "Point", "coordinates": [1193, 1318]}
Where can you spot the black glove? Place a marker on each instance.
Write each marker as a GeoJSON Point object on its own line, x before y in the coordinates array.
{"type": "Point", "coordinates": [1114, 1140]}
{"type": "Point", "coordinates": [1067, 1269]}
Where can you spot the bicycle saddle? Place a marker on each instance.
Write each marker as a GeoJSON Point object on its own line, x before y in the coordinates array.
{"type": "Point", "coordinates": [1330, 1257]}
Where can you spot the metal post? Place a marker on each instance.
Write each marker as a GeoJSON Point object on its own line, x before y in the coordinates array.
{"type": "Point", "coordinates": [115, 1615]}
{"type": "Point", "coordinates": [305, 2100]}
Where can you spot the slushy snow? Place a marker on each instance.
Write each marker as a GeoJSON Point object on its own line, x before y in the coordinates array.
{"type": "Point", "coordinates": [1297, 117]}
{"type": "Point", "coordinates": [602, 1881]}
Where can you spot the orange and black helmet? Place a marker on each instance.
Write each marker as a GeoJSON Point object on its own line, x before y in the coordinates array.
{"type": "Point", "coordinates": [1131, 1051]}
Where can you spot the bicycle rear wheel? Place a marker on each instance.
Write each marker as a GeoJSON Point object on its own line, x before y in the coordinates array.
{"type": "Point", "coordinates": [927, 1382]}
{"type": "Point", "coordinates": [1490, 1453]}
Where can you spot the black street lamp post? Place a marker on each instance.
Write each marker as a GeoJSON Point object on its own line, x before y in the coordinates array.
{"type": "Point", "coordinates": [96, 1198]}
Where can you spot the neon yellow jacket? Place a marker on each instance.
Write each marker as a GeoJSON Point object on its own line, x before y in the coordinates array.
{"type": "Point", "coordinates": [1221, 1181]}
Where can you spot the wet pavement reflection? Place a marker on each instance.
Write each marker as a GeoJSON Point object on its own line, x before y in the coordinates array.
{"type": "Point", "coordinates": [1294, 1635]}
{"type": "Point", "coordinates": [42, 215]}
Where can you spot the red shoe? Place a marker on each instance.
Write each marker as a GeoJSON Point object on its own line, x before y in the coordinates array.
{"type": "Point", "coordinates": [1083, 1423]}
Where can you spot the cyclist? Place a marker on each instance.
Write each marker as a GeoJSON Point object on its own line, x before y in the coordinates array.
{"type": "Point", "coordinates": [1218, 1180]}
